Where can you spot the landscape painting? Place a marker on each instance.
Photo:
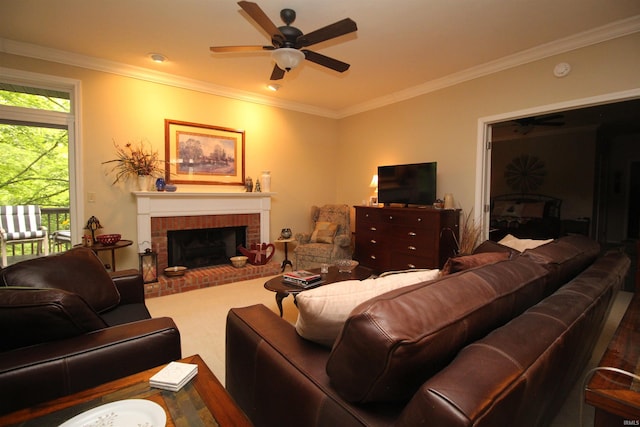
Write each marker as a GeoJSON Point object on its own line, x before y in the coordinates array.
{"type": "Point", "coordinates": [203, 154]}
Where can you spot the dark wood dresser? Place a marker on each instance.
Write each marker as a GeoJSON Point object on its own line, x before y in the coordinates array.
{"type": "Point", "coordinates": [392, 238]}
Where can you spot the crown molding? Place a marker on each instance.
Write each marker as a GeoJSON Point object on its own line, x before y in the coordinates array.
{"type": "Point", "coordinates": [608, 32]}
{"type": "Point", "coordinates": [68, 58]}
{"type": "Point", "coordinates": [587, 38]}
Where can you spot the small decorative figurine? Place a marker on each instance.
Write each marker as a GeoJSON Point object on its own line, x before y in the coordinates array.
{"type": "Point", "coordinates": [248, 184]}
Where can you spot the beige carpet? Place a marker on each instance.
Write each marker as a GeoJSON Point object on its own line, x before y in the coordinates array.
{"type": "Point", "coordinates": [201, 316]}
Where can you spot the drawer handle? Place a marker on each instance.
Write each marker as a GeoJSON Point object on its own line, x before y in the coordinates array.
{"type": "Point", "coordinates": [373, 257]}
{"type": "Point", "coordinates": [411, 248]}
{"type": "Point", "coordinates": [373, 229]}
{"type": "Point", "coordinates": [390, 216]}
{"type": "Point", "coordinates": [373, 241]}
{"type": "Point", "coordinates": [411, 266]}
{"type": "Point", "coordinates": [412, 234]}
{"type": "Point", "coordinates": [419, 219]}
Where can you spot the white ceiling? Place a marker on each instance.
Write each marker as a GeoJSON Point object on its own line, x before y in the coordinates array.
{"type": "Point", "coordinates": [401, 48]}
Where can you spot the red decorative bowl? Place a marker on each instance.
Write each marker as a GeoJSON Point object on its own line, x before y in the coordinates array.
{"type": "Point", "coordinates": [108, 239]}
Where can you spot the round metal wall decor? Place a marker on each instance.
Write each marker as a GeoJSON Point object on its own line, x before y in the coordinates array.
{"type": "Point", "coordinates": [525, 173]}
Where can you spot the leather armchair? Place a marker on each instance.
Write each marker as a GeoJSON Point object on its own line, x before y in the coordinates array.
{"type": "Point", "coordinates": [68, 325]}
{"type": "Point", "coordinates": [330, 239]}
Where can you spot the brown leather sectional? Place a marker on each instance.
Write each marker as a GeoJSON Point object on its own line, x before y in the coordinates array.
{"type": "Point", "coordinates": [499, 344]}
{"type": "Point", "coordinates": [68, 325]}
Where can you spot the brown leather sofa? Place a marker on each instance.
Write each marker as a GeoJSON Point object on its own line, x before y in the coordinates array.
{"type": "Point", "coordinates": [494, 345]}
{"type": "Point", "coordinates": [68, 325]}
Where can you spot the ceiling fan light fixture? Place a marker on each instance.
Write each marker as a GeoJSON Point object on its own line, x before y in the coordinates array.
{"type": "Point", "coordinates": [287, 58]}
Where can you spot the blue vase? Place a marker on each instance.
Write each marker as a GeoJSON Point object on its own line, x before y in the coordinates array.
{"type": "Point", "coordinates": [160, 184]}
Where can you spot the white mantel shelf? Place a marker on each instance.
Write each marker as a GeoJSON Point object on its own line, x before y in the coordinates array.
{"type": "Point", "coordinates": [151, 204]}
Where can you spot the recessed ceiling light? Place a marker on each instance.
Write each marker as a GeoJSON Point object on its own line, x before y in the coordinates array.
{"type": "Point", "coordinates": [157, 57]}
{"type": "Point", "coordinates": [273, 86]}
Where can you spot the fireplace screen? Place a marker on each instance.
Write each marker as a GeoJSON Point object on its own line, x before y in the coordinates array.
{"type": "Point", "coordinates": [204, 247]}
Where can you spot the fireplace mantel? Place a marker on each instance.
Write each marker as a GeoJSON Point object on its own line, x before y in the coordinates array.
{"type": "Point", "coordinates": [152, 204]}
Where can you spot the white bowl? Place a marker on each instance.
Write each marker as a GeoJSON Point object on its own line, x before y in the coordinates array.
{"type": "Point", "coordinates": [239, 261]}
{"type": "Point", "coordinates": [175, 271]}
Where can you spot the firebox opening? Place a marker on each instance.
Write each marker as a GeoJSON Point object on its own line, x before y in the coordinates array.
{"type": "Point", "coordinates": [204, 247]}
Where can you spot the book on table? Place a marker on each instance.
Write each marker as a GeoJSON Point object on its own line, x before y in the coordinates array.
{"type": "Point", "coordinates": [302, 277]}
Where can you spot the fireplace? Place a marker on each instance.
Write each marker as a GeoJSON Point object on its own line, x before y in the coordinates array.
{"type": "Point", "coordinates": [204, 247]}
{"type": "Point", "coordinates": [160, 212]}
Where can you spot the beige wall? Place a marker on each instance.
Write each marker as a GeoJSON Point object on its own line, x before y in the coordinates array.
{"type": "Point", "coordinates": [297, 148]}
{"type": "Point", "coordinates": [317, 160]}
{"type": "Point", "coordinates": [443, 125]}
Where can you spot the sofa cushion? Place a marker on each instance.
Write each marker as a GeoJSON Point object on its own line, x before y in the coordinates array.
{"type": "Point", "coordinates": [392, 343]}
{"type": "Point", "coordinates": [33, 316]}
{"type": "Point", "coordinates": [565, 258]}
{"type": "Point", "coordinates": [77, 270]}
{"type": "Point", "coordinates": [324, 232]}
{"type": "Point", "coordinates": [461, 263]}
{"type": "Point", "coordinates": [323, 310]}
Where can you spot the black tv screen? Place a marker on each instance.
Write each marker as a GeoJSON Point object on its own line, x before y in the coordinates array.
{"type": "Point", "coordinates": [412, 184]}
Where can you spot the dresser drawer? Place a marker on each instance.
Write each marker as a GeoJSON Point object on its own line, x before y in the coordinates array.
{"type": "Point", "coordinates": [365, 215]}
{"type": "Point", "coordinates": [413, 219]}
{"type": "Point", "coordinates": [402, 261]}
{"type": "Point", "coordinates": [376, 257]}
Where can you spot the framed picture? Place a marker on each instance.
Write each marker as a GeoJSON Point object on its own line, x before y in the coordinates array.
{"type": "Point", "coordinates": [373, 201]}
{"type": "Point", "coordinates": [203, 154]}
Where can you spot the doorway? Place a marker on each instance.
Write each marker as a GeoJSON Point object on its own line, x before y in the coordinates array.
{"type": "Point", "coordinates": [43, 109]}
{"type": "Point", "coordinates": [590, 112]}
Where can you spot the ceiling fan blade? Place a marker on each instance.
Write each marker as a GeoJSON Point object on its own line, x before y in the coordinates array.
{"type": "Point", "coordinates": [336, 29]}
{"type": "Point", "coordinates": [326, 61]}
{"type": "Point", "coordinates": [277, 73]}
{"type": "Point", "coordinates": [261, 18]}
{"type": "Point", "coordinates": [225, 49]}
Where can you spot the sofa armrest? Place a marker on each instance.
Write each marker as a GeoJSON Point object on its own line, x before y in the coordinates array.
{"type": "Point", "coordinates": [266, 359]}
{"type": "Point", "coordinates": [39, 373]}
{"type": "Point", "coordinates": [130, 286]}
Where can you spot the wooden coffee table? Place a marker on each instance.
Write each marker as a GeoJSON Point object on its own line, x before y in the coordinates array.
{"type": "Point", "coordinates": [202, 402]}
{"type": "Point", "coordinates": [284, 289]}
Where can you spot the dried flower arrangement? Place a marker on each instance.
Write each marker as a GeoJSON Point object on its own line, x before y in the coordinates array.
{"type": "Point", "coordinates": [470, 234]}
{"type": "Point", "coordinates": [134, 160]}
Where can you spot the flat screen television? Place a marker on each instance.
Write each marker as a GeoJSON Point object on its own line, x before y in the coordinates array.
{"type": "Point", "coordinates": [411, 184]}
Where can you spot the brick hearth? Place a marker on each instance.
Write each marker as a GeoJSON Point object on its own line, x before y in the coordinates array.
{"type": "Point", "coordinates": [206, 277]}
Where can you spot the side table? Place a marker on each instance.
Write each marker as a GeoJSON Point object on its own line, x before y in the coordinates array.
{"type": "Point", "coordinates": [286, 261]}
{"type": "Point", "coordinates": [99, 247]}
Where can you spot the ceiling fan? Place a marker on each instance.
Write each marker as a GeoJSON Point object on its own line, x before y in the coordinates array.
{"type": "Point", "coordinates": [289, 43]}
{"type": "Point", "coordinates": [526, 124]}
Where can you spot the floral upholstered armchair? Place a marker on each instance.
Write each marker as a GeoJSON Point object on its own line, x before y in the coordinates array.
{"type": "Point", "coordinates": [330, 239]}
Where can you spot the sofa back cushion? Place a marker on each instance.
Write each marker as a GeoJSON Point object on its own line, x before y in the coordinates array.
{"type": "Point", "coordinates": [565, 258]}
{"type": "Point", "coordinates": [392, 343]}
{"type": "Point", "coordinates": [77, 270]}
{"type": "Point", "coordinates": [32, 316]}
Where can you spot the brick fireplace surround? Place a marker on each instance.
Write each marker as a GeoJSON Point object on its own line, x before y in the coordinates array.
{"type": "Point", "coordinates": [160, 212]}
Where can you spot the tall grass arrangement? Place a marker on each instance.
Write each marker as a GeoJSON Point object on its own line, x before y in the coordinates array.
{"type": "Point", "coordinates": [470, 234]}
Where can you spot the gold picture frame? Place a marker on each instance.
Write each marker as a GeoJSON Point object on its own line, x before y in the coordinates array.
{"type": "Point", "coordinates": [203, 154]}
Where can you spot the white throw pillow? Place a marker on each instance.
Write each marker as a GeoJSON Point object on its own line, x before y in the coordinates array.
{"type": "Point", "coordinates": [323, 310]}
{"type": "Point", "coordinates": [522, 244]}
